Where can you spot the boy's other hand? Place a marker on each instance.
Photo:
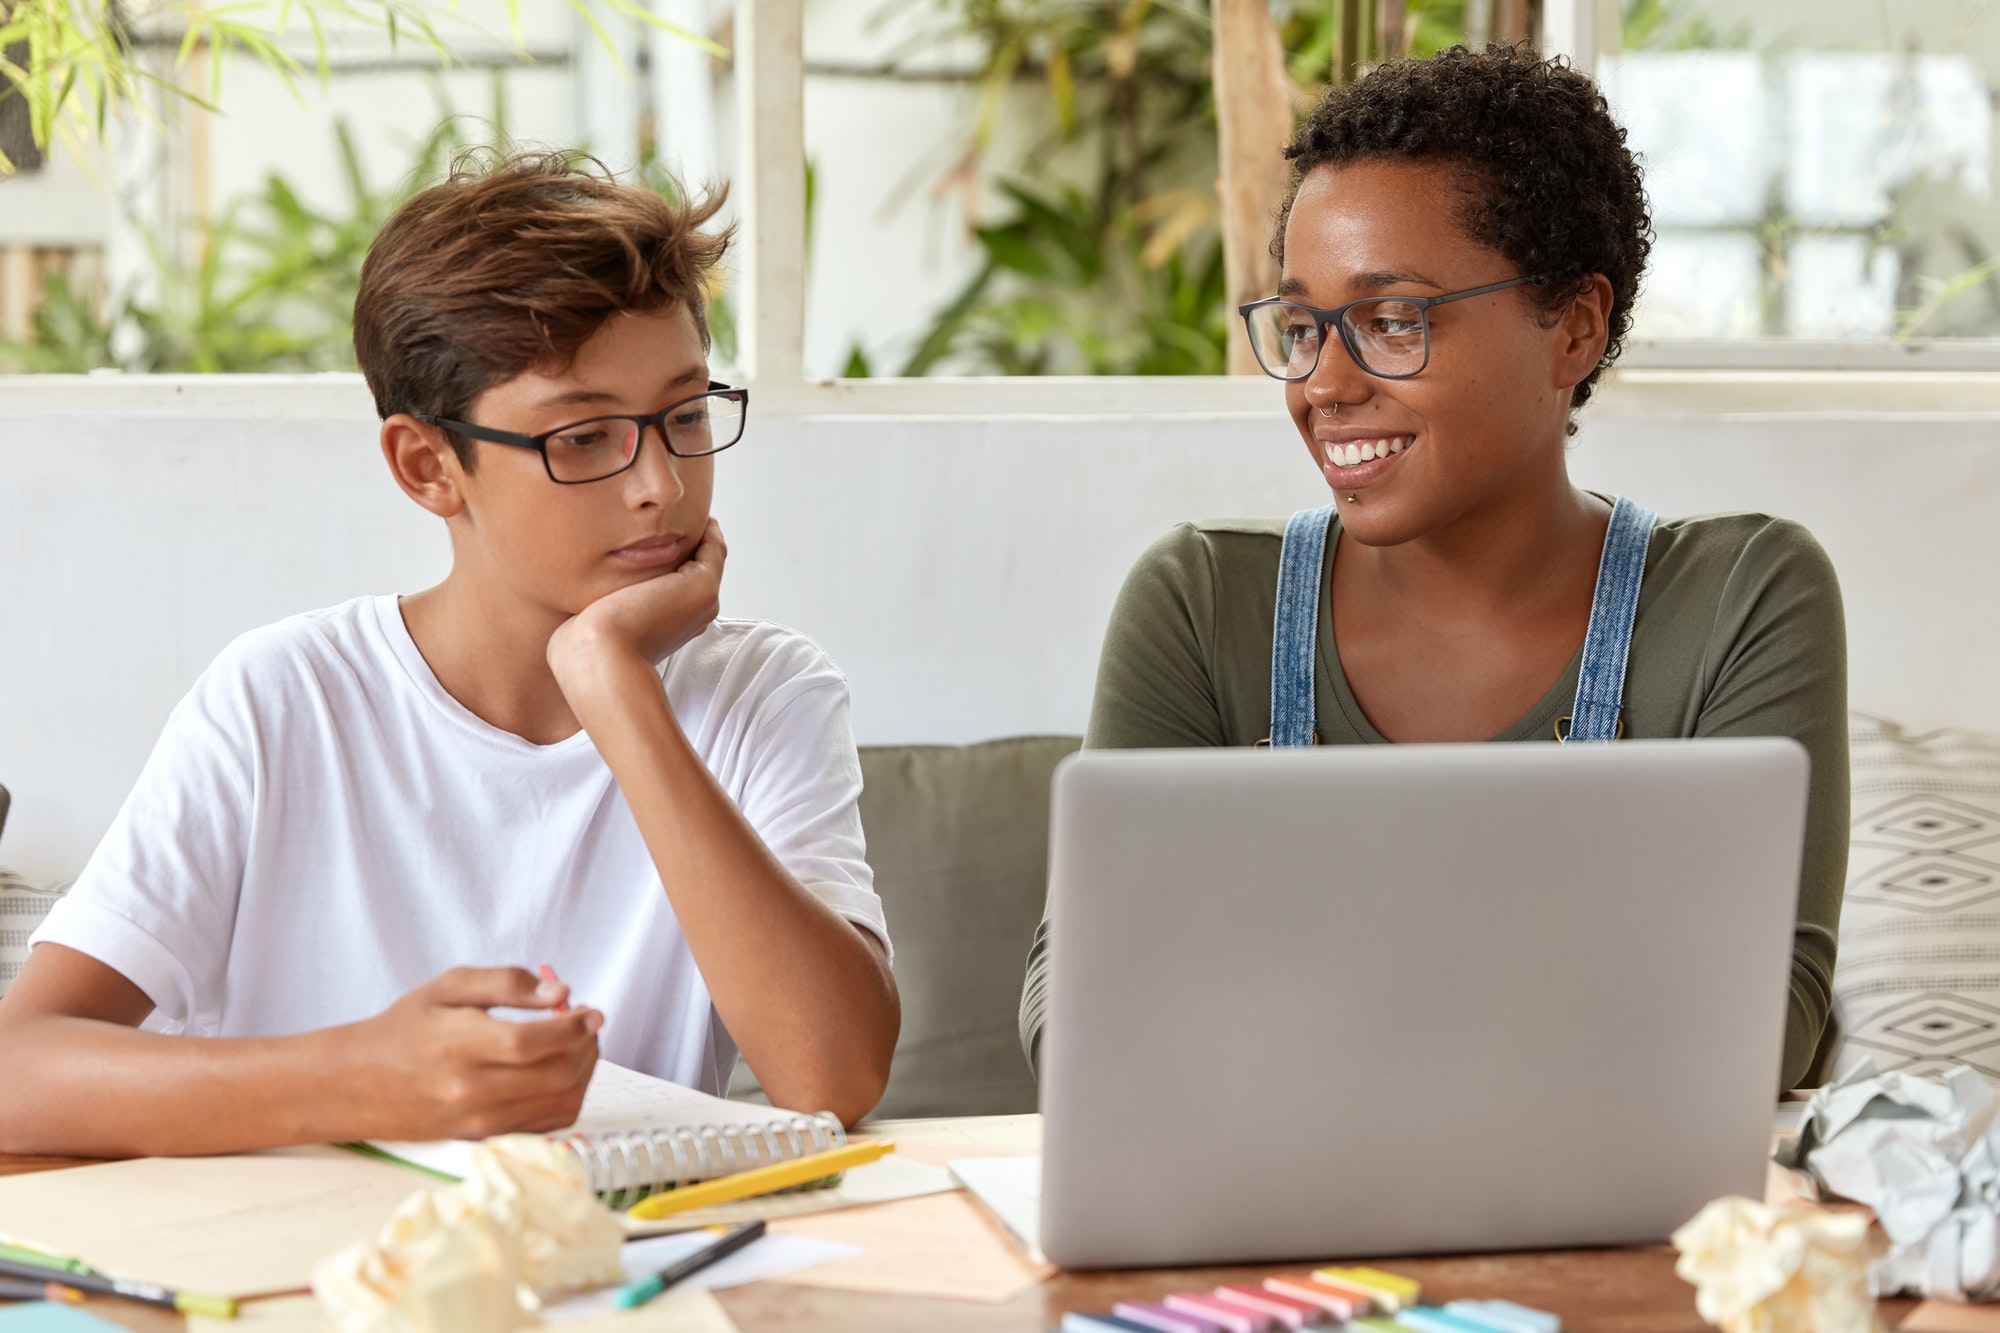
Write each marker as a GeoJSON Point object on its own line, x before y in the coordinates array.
{"type": "Point", "coordinates": [436, 1065]}
{"type": "Point", "coordinates": [643, 620]}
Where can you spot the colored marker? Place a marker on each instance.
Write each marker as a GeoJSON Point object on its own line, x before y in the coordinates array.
{"type": "Point", "coordinates": [637, 1293]}
{"type": "Point", "coordinates": [1506, 1316]}
{"type": "Point", "coordinates": [1431, 1319]}
{"type": "Point", "coordinates": [15, 1289]}
{"type": "Point", "coordinates": [1077, 1322]}
{"type": "Point", "coordinates": [1391, 1291]}
{"type": "Point", "coordinates": [1158, 1317]}
{"type": "Point", "coordinates": [1370, 1297]}
{"type": "Point", "coordinates": [1287, 1310]}
{"type": "Point", "coordinates": [1339, 1301]}
{"type": "Point", "coordinates": [23, 1254]}
{"type": "Point", "coordinates": [1234, 1318]}
{"type": "Point", "coordinates": [1408, 1288]}
{"type": "Point", "coordinates": [1377, 1324]}
{"type": "Point", "coordinates": [187, 1302]}
{"type": "Point", "coordinates": [548, 973]}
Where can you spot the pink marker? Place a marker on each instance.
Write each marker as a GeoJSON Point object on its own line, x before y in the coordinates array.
{"type": "Point", "coordinates": [548, 973]}
{"type": "Point", "coordinates": [1339, 1302]}
{"type": "Point", "coordinates": [1232, 1317]}
{"type": "Point", "coordinates": [1291, 1313]}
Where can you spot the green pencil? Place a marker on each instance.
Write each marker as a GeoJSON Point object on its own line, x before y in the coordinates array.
{"type": "Point", "coordinates": [20, 1254]}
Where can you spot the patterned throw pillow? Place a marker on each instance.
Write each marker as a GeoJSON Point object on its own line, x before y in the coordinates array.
{"type": "Point", "coordinates": [1918, 979]}
{"type": "Point", "coordinates": [22, 907]}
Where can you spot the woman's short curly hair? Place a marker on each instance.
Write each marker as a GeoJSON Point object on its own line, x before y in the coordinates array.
{"type": "Point", "coordinates": [1551, 184]}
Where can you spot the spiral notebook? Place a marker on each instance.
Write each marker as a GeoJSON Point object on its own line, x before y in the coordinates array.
{"type": "Point", "coordinates": [638, 1134]}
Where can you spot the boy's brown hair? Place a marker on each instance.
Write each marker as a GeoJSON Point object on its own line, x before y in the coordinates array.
{"type": "Point", "coordinates": [511, 264]}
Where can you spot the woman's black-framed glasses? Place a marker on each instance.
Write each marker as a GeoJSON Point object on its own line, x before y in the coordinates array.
{"type": "Point", "coordinates": [1388, 336]}
{"type": "Point", "coordinates": [600, 447]}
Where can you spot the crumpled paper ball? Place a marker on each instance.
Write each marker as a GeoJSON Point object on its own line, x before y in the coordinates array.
{"type": "Point", "coordinates": [473, 1255]}
{"type": "Point", "coordinates": [437, 1265]}
{"type": "Point", "coordinates": [1758, 1269]}
{"type": "Point", "coordinates": [1924, 1154]}
{"type": "Point", "coordinates": [538, 1192]}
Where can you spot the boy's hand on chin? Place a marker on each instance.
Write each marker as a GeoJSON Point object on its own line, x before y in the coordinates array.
{"type": "Point", "coordinates": [643, 622]}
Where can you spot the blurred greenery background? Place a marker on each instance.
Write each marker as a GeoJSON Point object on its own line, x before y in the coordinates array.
{"type": "Point", "coordinates": [1098, 240]}
{"type": "Point", "coordinates": [1114, 268]}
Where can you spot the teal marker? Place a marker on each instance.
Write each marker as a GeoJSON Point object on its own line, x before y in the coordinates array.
{"type": "Point", "coordinates": [641, 1290]}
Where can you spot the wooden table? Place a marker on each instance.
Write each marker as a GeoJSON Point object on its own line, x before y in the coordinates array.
{"type": "Point", "coordinates": [1595, 1291]}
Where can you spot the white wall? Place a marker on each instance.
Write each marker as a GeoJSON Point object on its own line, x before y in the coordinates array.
{"type": "Point", "coordinates": [960, 570]}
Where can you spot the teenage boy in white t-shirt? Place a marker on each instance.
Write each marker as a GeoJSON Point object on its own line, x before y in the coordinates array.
{"type": "Point", "coordinates": [364, 824]}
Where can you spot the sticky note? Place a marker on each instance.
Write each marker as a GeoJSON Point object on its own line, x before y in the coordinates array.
{"type": "Point", "coordinates": [52, 1317]}
{"type": "Point", "coordinates": [1289, 1311]}
{"type": "Point", "coordinates": [1507, 1316]}
{"type": "Point", "coordinates": [1156, 1316]}
{"type": "Point", "coordinates": [1430, 1319]}
{"type": "Point", "coordinates": [1393, 1294]}
{"type": "Point", "coordinates": [1075, 1322]}
{"type": "Point", "coordinates": [1234, 1318]}
{"type": "Point", "coordinates": [1340, 1302]}
{"type": "Point", "coordinates": [1369, 1297]}
{"type": "Point", "coordinates": [1408, 1288]}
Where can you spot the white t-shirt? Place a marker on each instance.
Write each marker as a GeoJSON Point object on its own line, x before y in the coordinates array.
{"type": "Point", "coordinates": [322, 828]}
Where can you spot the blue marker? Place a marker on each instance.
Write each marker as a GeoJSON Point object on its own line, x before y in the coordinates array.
{"type": "Point", "coordinates": [1506, 1317]}
{"type": "Point", "coordinates": [1074, 1322]}
{"type": "Point", "coordinates": [1431, 1319]}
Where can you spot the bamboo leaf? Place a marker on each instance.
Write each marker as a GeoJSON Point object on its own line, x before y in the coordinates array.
{"type": "Point", "coordinates": [1062, 87]}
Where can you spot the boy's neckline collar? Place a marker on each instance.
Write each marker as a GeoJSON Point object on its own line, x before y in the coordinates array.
{"type": "Point", "coordinates": [389, 614]}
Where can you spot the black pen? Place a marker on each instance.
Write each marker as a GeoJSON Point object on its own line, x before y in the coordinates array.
{"type": "Point", "coordinates": [640, 1291]}
{"type": "Point", "coordinates": [187, 1302]}
{"type": "Point", "coordinates": [12, 1289]}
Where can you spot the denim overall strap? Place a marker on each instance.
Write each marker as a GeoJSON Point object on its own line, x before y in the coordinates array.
{"type": "Point", "coordinates": [1295, 632]}
{"type": "Point", "coordinates": [1607, 644]}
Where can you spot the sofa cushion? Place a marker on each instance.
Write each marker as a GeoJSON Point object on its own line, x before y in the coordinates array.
{"type": "Point", "coordinates": [958, 836]}
{"type": "Point", "coordinates": [22, 907]}
{"type": "Point", "coordinates": [1917, 985]}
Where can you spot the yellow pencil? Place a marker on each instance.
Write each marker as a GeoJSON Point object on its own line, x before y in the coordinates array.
{"type": "Point", "coordinates": [762, 1180]}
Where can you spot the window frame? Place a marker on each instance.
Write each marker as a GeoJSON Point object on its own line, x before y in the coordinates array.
{"type": "Point", "coordinates": [1652, 379]}
{"type": "Point", "coordinates": [1652, 376]}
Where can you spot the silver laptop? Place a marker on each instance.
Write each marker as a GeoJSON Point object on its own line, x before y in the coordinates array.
{"type": "Point", "coordinates": [1371, 1000]}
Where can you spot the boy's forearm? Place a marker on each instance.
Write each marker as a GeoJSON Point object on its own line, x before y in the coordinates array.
{"type": "Point", "coordinates": [806, 995]}
{"type": "Point", "coordinates": [81, 1087]}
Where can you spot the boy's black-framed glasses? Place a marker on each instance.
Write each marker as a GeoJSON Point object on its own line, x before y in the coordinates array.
{"type": "Point", "coordinates": [600, 447]}
{"type": "Point", "coordinates": [1388, 336]}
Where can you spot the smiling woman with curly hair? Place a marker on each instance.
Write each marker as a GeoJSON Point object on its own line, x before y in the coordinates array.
{"type": "Point", "coordinates": [1460, 251]}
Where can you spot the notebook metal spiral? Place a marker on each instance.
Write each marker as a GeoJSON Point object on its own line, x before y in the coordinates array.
{"type": "Point", "coordinates": [624, 1168]}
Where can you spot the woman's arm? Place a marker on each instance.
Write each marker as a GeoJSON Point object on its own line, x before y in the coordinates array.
{"type": "Point", "coordinates": [1154, 691]}
{"type": "Point", "coordinates": [1780, 639]}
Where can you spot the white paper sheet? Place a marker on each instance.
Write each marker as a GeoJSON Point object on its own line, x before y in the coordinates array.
{"type": "Point", "coordinates": [770, 1256]}
{"type": "Point", "coordinates": [1011, 1189]}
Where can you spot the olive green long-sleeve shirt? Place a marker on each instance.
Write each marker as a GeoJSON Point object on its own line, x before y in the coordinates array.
{"type": "Point", "coordinates": [1740, 632]}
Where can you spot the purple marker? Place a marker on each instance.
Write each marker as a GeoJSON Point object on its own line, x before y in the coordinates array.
{"type": "Point", "coordinates": [1156, 1316]}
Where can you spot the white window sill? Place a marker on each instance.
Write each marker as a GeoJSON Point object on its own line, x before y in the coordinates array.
{"type": "Point", "coordinates": [1636, 390]}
